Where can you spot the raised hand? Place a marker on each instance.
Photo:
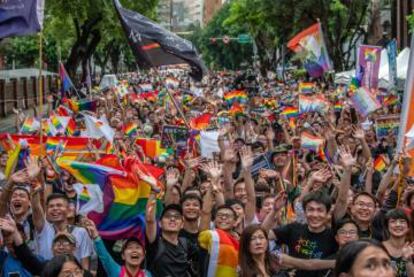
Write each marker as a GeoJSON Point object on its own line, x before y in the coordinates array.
{"type": "Point", "coordinates": [270, 134]}
{"type": "Point", "coordinates": [90, 227]}
{"type": "Point", "coordinates": [172, 177]}
{"type": "Point", "coordinates": [229, 155]}
{"type": "Point", "coordinates": [193, 163]}
{"type": "Point", "coordinates": [8, 225]}
{"type": "Point", "coordinates": [247, 157]}
{"type": "Point", "coordinates": [321, 176]}
{"type": "Point", "coordinates": [280, 201]}
{"type": "Point", "coordinates": [213, 169]}
{"type": "Point", "coordinates": [146, 178]}
{"type": "Point", "coordinates": [358, 132]}
{"type": "Point", "coordinates": [346, 157]}
{"type": "Point", "coordinates": [20, 177]}
{"type": "Point", "coordinates": [33, 168]}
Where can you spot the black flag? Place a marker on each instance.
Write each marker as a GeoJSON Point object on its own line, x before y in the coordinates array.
{"type": "Point", "coordinates": [154, 46]}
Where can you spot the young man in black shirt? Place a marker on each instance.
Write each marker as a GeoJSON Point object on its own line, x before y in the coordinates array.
{"type": "Point", "coordinates": [312, 240]}
{"type": "Point", "coordinates": [167, 254]}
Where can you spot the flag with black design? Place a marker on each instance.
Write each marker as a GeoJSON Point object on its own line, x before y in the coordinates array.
{"type": "Point", "coordinates": [154, 46]}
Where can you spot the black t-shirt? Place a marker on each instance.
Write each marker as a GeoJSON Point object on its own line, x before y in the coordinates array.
{"type": "Point", "coordinates": [304, 244]}
{"type": "Point", "coordinates": [173, 261]}
{"type": "Point", "coordinates": [192, 238]}
{"type": "Point", "coordinates": [400, 266]}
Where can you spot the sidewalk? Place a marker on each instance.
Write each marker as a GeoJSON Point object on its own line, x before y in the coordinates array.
{"type": "Point", "coordinates": [8, 123]}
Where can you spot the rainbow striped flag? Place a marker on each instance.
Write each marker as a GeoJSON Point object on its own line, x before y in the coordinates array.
{"type": "Point", "coordinates": [47, 127]}
{"type": "Point", "coordinates": [124, 201]}
{"type": "Point", "coordinates": [235, 96]}
{"type": "Point", "coordinates": [56, 123]}
{"type": "Point", "coordinates": [338, 106]}
{"type": "Point", "coordinates": [81, 105]}
{"type": "Point", "coordinates": [292, 122]}
{"type": "Point", "coordinates": [311, 142]}
{"type": "Point", "coordinates": [89, 173]}
{"type": "Point", "coordinates": [201, 122]}
{"type": "Point", "coordinates": [223, 250]}
{"type": "Point", "coordinates": [306, 88]}
{"type": "Point", "coordinates": [131, 129]}
{"type": "Point", "coordinates": [70, 129]}
{"type": "Point", "coordinates": [391, 100]}
{"type": "Point", "coordinates": [151, 147]}
{"type": "Point", "coordinates": [379, 163]}
{"type": "Point", "coordinates": [236, 109]}
{"type": "Point", "coordinates": [290, 112]}
{"type": "Point", "coordinates": [84, 196]}
{"type": "Point", "coordinates": [311, 45]}
{"type": "Point", "coordinates": [30, 125]}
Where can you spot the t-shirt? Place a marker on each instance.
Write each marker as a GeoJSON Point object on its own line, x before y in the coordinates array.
{"type": "Point", "coordinates": [194, 258]}
{"type": "Point", "coordinates": [84, 245]}
{"type": "Point", "coordinates": [304, 244]}
{"type": "Point", "coordinates": [400, 266]}
{"type": "Point", "coordinates": [12, 265]}
{"type": "Point", "coordinates": [174, 260]}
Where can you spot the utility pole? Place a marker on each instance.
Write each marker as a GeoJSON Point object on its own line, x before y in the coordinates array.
{"type": "Point", "coordinates": [171, 14]}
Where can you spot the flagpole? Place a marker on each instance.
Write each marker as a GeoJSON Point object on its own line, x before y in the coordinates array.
{"type": "Point", "coordinates": [41, 90]}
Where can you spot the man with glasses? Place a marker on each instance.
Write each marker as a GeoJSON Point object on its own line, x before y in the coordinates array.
{"type": "Point", "coordinates": [363, 212]}
{"type": "Point", "coordinates": [167, 253]}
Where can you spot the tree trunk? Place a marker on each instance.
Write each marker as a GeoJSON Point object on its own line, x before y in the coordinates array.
{"type": "Point", "coordinates": [84, 45]}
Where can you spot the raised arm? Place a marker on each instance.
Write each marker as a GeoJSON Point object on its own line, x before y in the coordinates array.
{"type": "Point", "coordinates": [247, 159]}
{"type": "Point", "coordinates": [150, 211]}
{"type": "Point", "coordinates": [347, 161]}
{"type": "Point", "coordinates": [38, 214]}
{"type": "Point", "coordinates": [359, 134]}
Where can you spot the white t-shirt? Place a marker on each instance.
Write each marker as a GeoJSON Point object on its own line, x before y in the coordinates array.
{"type": "Point", "coordinates": [84, 245]}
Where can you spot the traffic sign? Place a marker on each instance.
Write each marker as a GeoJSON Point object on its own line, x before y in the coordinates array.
{"type": "Point", "coordinates": [244, 38]}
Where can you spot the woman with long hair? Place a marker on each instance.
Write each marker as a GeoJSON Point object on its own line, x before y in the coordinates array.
{"type": "Point", "coordinates": [255, 259]}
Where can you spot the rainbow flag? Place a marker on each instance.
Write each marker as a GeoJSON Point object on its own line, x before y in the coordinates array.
{"type": "Point", "coordinates": [292, 123]}
{"type": "Point", "coordinates": [131, 129]}
{"type": "Point", "coordinates": [84, 196]}
{"type": "Point", "coordinates": [52, 143]}
{"type": "Point", "coordinates": [151, 147]}
{"type": "Point", "coordinates": [151, 96]}
{"type": "Point", "coordinates": [315, 103]}
{"type": "Point", "coordinates": [391, 100]}
{"type": "Point", "coordinates": [311, 142]}
{"type": "Point", "coordinates": [306, 88]}
{"type": "Point", "coordinates": [125, 198]}
{"type": "Point", "coordinates": [379, 163]}
{"type": "Point", "coordinates": [201, 122]}
{"type": "Point", "coordinates": [354, 85]}
{"type": "Point", "coordinates": [235, 96]}
{"type": "Point", "coordinates": [89, 173]}
{"type": "Point", "coordinates": [290, 112]}
{"type": "Point", "coordinates": [370, 54]}
{"type": "Point", "coordinates": [64, 111]}
{"type": "Point", "coordinates": [70, 129]}
{"type": "Point", "coordinates": [30, 125]}
{"type": "Point", "coordinates": [109, 149]}
{"type": "Point", "coordinates": [311, 45]}
{"type": "Point", "coordinates": [47, 127]}
{"type": "Point", "coordinates": [338, 106]}
{"type": "Point", "coordinates": [236, 109]}
{"type": "Point", "coordinates": [223, 251]}
{"type": "Point", "coordinates": [82, 105]}
{"type": "Point", "coordinates": [56, 123]}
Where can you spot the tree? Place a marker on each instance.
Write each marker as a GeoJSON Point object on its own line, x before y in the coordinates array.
{"type": "Point", "coordinates": [274, 22]}
{"type": "Point", "coordinates": [217, 54]}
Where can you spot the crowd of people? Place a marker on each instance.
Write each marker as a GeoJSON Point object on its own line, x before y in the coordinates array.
{"type": "Point", "coordinates": [282, 194]}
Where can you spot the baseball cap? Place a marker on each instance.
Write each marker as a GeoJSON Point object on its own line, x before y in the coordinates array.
{"type": "Point", "coordinates": [129, 240]}
{"type": "Point", "coordinates": [66, 236]}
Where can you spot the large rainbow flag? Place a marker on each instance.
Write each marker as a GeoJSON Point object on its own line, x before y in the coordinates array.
{"type": "Point", "coordinates": [311, 44]}
{"type": "Point", "coordinates": [151, 147]}
{"type": "Point", "coordinates": [124, 195]}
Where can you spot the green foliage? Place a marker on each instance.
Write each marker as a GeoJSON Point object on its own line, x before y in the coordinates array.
{"type": "Point", "coordinates": [64, 20]}
{"type": "Point", "coordinates": [219, 55]}
{"type": "Point", "coordinates": [410, 19]}
{"type": "Point", "coordinates": [273, 22]}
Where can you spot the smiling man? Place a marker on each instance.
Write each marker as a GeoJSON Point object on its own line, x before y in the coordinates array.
{"type": "Point", "coordinates": [56, 221]}
{"type": "Point", "coordinates": [312, 240]}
